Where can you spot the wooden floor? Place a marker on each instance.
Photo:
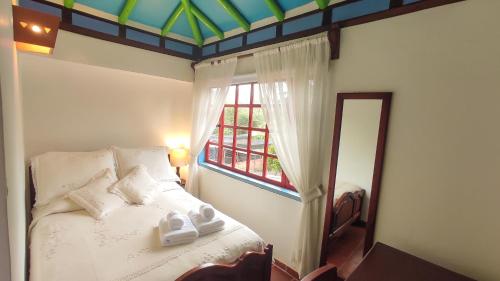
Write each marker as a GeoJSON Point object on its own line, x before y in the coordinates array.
{"type": "Point", "coordinates": [277, 274]}
{"type": "Point", "coordinates": [347, 251]}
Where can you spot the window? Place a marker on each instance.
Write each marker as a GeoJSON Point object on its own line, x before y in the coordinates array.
{"type": "Point", "coordinates": [241, 142]}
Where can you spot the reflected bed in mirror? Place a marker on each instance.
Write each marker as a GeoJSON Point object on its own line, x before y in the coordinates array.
{"type": "Point", "coordinates": [360, 129]}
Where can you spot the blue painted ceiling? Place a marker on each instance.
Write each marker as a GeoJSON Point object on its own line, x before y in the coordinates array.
{"type": "Point", "coordinates": [154, 13]}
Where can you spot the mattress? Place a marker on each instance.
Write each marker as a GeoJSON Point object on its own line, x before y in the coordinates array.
{"type": "Point", "coordinates": [125, 245]}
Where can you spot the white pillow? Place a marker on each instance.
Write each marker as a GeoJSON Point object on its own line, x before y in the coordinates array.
{"type": "Point", "coordinates": [57, 173]}
{"type": "Point", "coordinates": [155, 159]}
{"type": "Point", "coordinates": [57, 205]}
{"type": "Point", "coordinates": [95, 198]}
{"type": "Point", "coordinates": [138, 187]}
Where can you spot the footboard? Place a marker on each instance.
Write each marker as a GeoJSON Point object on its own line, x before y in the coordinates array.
{"type": "Point", "coordinates": [346, 211]}
{"type": "Point", "coordinates": [252, 266]}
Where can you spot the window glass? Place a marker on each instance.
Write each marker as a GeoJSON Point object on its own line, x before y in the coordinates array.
{"type": "Point", "coordinates": [256, 164]}
{"type": "Point", "coordinates": [241, 160]}
{"type": "Point", "coordinates": [243, 116]}
{"type": "Point", "coordinates": [228, 136]}
{"type": "Point", "coordinates": [229, 116]}
{"type": "Point", "coordinates": [246, 146]}
{"type": "Point", "coordinates": [231, 95]}
{"type": "Point", "coordinates": [258, 118]}
{"type": "Point", "coordinates": [244, 94]}
{"type": "Point", "coordinates": [241, 138]}
{"type": "Point", "coordinates": [258, 140]}
{"type": "Point", "coordinates": [273, 170]}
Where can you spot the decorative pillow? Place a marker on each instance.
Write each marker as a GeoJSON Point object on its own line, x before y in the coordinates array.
{"type": "Point", "coordinates": [138, 187]}
{"type": "Point", "coordinates": [155, 159]}
{"type": "Point", "coordinates": [57, 173]}
{"type": "Point", "coordinates": [95, 198]}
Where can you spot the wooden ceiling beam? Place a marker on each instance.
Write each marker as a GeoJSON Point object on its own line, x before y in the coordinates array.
{"type": "Point", "coordinates": [276, 9]}
{"type": "Point", "coordinates": [172, 19]}
{"type": "Point", "coordinates": [233, 12]}
{"type": "Point", "coordinates": [206, 21]}
{"type": "Point", "coordinates": [198, 38]}
{"type": "Point", "coordinates": [69, 4]}
{"type": "Point", "coordinates": [322, 4]}
{"type": "Point", "coordinates": [126, 11]}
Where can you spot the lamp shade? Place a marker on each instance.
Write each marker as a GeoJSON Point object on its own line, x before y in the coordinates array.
{"type": "Point", "coordinates": [179, 157]}
{"type": "Point", "coordinates": [34, 31]}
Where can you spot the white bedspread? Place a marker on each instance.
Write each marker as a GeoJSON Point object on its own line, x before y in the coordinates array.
{"type": "Point", "coordinates": [73, 246]}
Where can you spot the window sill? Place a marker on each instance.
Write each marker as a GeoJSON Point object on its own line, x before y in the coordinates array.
{"type": "Point", "coordinates": [260, 184]}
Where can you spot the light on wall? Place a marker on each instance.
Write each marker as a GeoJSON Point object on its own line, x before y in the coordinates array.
{"type": "Point", "coordinates": [34, 31]}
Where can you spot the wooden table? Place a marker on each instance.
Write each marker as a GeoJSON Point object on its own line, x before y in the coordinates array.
{"type": "Point", "coordinates": [384, 263]}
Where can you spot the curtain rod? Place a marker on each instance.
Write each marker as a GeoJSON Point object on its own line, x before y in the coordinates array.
{"type": "Point", "coordinates": [333, 34]}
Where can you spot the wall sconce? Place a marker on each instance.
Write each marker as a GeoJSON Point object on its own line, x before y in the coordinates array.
{"type": "Point", "coordinates": [34, 31]}
{"type": "Point", "coordinates": [179, 157]}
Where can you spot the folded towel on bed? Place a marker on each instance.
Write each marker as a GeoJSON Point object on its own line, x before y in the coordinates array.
{"type": "Point", "coordinates": [207, 212]}
{"type": "Point", "coordinates": [170, 237]}
{"type": "Point", "coordinates": [205, 227]}
{"type": "Point", "coordinates": [175, 220]}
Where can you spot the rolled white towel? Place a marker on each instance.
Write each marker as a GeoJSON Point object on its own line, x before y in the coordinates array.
{"type": "Point", "coordinates": [205, 227]}
{"type": "Point", "coordinates": [175, 221]}
{"type": "Point", "coordinates": [169, 237]}
{"type": "Point", "coordinates": [207, 212]}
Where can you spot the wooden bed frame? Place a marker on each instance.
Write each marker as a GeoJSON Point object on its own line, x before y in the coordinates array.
{"type": "Point", "coordinates": [251, 266]}
{"type": "Point", "coordinates": [346, 211]}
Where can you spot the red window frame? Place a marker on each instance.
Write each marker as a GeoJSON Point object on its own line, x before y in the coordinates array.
{"type": "Point", "coordinates": [284, 182]}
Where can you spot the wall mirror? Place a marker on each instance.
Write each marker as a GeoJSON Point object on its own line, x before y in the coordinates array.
{"type": "Point", "coordinates": [359, 138]}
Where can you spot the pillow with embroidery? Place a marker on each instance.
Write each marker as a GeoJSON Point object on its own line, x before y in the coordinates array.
{"type": "Point", "coordinates": [95, 198]}
{"type": "Point", "coordinates": [137, 187]}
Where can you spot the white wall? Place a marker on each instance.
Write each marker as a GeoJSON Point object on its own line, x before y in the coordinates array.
{"type": "Point", "coordinates": [87, 50]}
{"type": "Point", "coordinates": [358, 145]}
{"type": "Point", "coordinates": [72, 106]}
{"type": "Point", "coordinates": [4, 230]}
{"type": "Point", "coordinates": [13, 140]}
{"type": "Point", "coordinates": [440, 187]}
{"type": "Point", "coordinates": [274, 217]}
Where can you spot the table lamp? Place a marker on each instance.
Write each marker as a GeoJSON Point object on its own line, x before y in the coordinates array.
{"type": "Point", "coordinates": [179, 157]}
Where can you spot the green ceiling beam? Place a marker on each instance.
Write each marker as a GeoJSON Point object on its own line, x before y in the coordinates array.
{"type": "Point", "coordinates": [232, 11]}
{"type": "Point", "coordinates": [126, 11]}
{"type": "Point", "coordinates": [193, 23]}
{"type": "Point", "coordinates": [322, 4]}
{"type": "Point", "coordinates": [172, 19]}
{"type": "Point", "coordinates": [276, 9]}
{"type": "Point", "coordinates": [69, 3]}
{"type": "Point", "coordinates": [206, 21]}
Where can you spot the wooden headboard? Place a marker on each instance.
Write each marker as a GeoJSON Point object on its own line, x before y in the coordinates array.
{"type": "Point", "coordinates": [30, 196]}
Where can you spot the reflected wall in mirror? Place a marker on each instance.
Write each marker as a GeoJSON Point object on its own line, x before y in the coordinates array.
{"type": "Point", "coordinates": [360, 130]}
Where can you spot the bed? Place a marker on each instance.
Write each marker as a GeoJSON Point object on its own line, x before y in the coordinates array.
{"type": "Point", "coordinates": [347, 204]}
{"type": "Point", "coordinates": [125, 246]}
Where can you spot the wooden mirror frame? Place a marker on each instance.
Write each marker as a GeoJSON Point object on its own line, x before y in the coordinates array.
{"type": "Point", "coordinates": [386, 98]}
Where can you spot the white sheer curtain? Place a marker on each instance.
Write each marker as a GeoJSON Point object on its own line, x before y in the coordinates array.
{"type": "Point", "coordinates": [211, 85]}
{"type": "Point", "coordinates": [294, 94]}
